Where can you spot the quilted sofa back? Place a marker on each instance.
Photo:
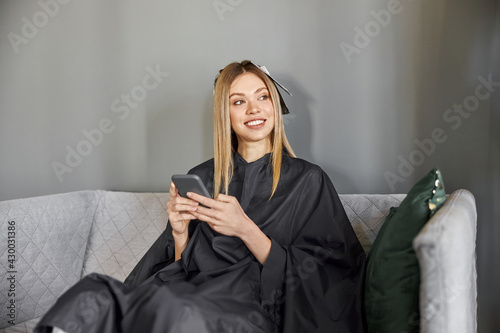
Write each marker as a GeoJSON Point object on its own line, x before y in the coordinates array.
{"type": "Point", "coordinates": [46, 238]}
{"type": "Point", "coordinates": [367, 213]}
{"type": "Point", "coordinates": [58, 239]}
{"type": "Point", "coordinates": [125, 226]}
{"type": "Point", "coordinates": [61, 238]}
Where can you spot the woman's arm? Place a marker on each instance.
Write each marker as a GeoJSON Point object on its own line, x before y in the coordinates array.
{"type": "Point", "coordinates": [257, 242]}
{"type": "Point", "coordinates": [181, 242]}
{"type": "Point", "coordinates": [225, 215]}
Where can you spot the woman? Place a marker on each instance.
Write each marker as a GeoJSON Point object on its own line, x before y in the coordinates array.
{"type": "Point", "coordinates": [273, 251]}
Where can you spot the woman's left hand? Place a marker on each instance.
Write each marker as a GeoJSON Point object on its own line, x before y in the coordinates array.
{"type": "Point", "coordinates": [224, 214]}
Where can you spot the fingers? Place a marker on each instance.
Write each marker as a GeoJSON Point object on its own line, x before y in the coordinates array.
{"type": "Point", "coordinates": [176, 199]}
{"type": "Point", "coordinates": [206, 214]}
{"type": "Point", "coordinates": [226, 198]}
{"type": "Point", "coordinates": [179, 208]}
{"type": "Point", "coordinates": [175, 194]}
{"type": "Point", "coordinates": [184, 217]}
{"type": "Point", "coordinates": [210, 210]}
{"type": "Point", "coordinates": [214, 208]}
{"type": "Point", "coordinates": [180, 216]}
{"type": "Point", "coordinates": [179, 204]}
{"type": "Point", "coordinates": [224, 214]}
{"type": "Point", "coordinates": [209, 202]}
{"type": "Point", "coordinates": [173, 190]}
{"type": "Point", "coordinates": [199, 216]}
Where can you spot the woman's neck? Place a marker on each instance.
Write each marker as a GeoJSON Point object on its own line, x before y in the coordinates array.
{"type": "Point", "coordinates": [252, 152]}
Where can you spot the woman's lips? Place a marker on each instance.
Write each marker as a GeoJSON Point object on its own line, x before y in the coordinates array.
{"type": "Point", "coordinates": [256, 123]}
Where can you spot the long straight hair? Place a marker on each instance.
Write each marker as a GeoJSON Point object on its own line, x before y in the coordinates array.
{"type": "Point", "coordinates": [225, 141]}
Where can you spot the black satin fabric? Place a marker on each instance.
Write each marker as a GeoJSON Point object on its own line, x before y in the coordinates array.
{"type": "Point", "coordinates": [311, 281]}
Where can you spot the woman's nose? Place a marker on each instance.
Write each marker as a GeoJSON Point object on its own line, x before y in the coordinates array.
{"type": "Point", "coordinates": [252, 108]}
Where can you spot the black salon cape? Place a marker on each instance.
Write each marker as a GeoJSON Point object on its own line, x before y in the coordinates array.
{"type": "Point", "coordinates": [311, 281]}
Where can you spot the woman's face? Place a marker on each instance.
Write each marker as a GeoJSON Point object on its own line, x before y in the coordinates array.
{"type": "Point", "coordinates": [251, 110]}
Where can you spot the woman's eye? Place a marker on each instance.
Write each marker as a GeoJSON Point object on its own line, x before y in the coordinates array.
{"type": "Point", "coordinates": [263, 97]}
{"type": "Point", "coordinates": [238, 102]}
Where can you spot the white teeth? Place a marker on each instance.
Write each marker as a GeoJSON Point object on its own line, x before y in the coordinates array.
{"type": "Point", "coordinates": [255, 122]}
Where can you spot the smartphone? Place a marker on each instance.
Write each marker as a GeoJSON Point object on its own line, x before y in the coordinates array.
{"type": "Point", "coordinates": [190, 183]}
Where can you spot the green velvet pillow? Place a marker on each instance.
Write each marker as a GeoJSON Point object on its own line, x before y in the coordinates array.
{"type": "Point", "coordinates": [393, 275]}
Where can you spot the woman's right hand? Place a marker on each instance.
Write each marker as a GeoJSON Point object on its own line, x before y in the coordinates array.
{"type": "Point", "coordinates": [179, 212]}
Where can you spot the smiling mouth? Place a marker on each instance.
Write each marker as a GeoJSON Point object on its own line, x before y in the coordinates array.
{"type": "Point", "coordinates": [255, 122]}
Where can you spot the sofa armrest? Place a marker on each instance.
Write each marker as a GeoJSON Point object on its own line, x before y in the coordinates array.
{"type": "Point", "coordinates": [445, 249]}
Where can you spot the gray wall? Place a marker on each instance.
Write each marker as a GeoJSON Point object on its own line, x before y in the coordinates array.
{"type": "Point", "coordinates": [368, 78]}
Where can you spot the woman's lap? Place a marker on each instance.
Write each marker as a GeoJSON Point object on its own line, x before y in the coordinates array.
{"type": "Point", "coordinates": [99, 303]}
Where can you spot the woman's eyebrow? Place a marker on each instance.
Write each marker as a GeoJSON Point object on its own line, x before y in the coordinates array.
{"type": "Point", "coordinates": [242, 94]}
{"type": "Point", "coordinates": [236, 94]}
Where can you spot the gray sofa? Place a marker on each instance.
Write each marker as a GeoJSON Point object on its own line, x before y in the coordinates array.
{"type": "Point", "coordinates": [55, 240]}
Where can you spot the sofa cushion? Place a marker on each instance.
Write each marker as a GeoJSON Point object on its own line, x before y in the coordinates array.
{"type": "Point", "coordinates": [446, 253]}
{"type": "Point", "coordinates": [393, 276]}
{"type": "Point", "coordinates": [50, 240]}
{"type": "Point", "coordinates": [126, 225]}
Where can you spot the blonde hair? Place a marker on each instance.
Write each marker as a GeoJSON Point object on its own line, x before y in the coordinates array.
{"type": "Point", "coordinates": [225, 141]}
